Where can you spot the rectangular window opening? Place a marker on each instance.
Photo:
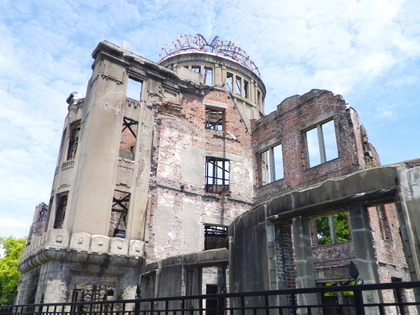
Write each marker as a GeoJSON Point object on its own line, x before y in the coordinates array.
{"type": "Point", "coordinates": [211, 304]}
{"type": "Point", "coordinates": [321, 143]}
{"type": "Point", "coordinates": [215, 118]}
{"type": "Point", "coordinates": [196, 69]}
{"type": "Point", "coordinates": [259, 98]}
{"type": "Point", "coordinates": [128, 139]}
{"type": "Point", "coordinates": [238, 86]}
{"type": "Point", "coordinates": [119, 211]}
{"type": "Point", "coordinates": [215, 237]}
{"type": "Point", "coordinates": [134, 88]}
{"type": "Point", "coordinates": [229, 82]}
{"type": "Point", "coordinates": [333, 229]}
{"type": "Point", "coordinates": [217, 175]}
{"type": "Point", "coordinates": [246, 89]}
{"type": "Point", "coordinates": [208, 76]}
{"type": "Point", "coordinates": [272, 164]}
{"type": "Point", "coordinates": [73, 140]}
{"type": "Point", "coordinates": [60, 211]}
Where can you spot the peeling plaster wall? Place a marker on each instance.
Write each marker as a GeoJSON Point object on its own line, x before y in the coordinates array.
{"type": "Point", "coordinates": [180, 205]}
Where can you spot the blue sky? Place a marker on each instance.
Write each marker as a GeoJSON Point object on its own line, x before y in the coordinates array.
{"type": "Point", "coordinates": [366, 50]}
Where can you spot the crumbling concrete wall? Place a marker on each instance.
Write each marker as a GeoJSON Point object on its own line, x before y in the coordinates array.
{"type": "Point", "coordinates": [356, 193]}
{"type": "Point", "coordinates": [38, 223]}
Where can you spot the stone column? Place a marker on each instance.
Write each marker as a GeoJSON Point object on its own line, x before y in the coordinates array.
{"type": "Point", "coordinates": [365, 255]}
{"type": "Point", "coordinates": [305, 269]}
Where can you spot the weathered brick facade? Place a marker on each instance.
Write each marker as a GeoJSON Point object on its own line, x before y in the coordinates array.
{"type": "Point", "coordinates": [143, 185]}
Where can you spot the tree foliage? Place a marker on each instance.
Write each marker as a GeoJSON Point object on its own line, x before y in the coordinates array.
{"type": "Point", "coordinates": [9, 273]}
{"type": "Point", "coordinates": [341, 229]}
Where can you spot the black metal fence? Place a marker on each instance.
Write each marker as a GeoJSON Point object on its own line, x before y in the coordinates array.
{"type": "Point", "coordinates": [386, 298]}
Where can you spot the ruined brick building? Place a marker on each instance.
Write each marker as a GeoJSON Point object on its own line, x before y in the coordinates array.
{"type": "Point", "coordinates": [170, 176]}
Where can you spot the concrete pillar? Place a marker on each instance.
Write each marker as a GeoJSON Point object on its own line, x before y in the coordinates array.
{"type": "Point", "coordinates": [365, 255]}
{"type": "Point", "coordinates": [408, 206]}
{"type": "Point", "coordinates": [305, 269]}
{"type": "Point", "coordinates": [217, 75]}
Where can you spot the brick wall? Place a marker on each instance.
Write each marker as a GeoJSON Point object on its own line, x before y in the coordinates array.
{"type": "Point", "coordinates": [179, 204]}
{"type": "Point", "coordinates": [288, 123]}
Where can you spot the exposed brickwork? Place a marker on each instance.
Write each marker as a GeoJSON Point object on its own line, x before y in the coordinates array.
{"type": "Point", "coordinates": [387, 243]}
{"type": "Point", "coordinates": [287, 126]}
{"type": "Point", "coordinates": [293, 117]}
{"type": "Point", "coordinates": [184, 131]}
{"type": "Point", "coordinates": [285, 260]}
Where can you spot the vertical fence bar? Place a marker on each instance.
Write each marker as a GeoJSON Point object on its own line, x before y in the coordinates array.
{"type": "Point", "coordinates": [358, 300]}
{"type": "Point", "coordinates": [399, 301]}
{"type": "Point", "coordinates": [294, 309]}
{"type": "Point", "coordinates": [220, 305]}
{"type": "Point", "coordinates": [242, 305]}
{"type": "Point", "coordinates": [137, 307]}
{"type": "Point", "coordinates": [267, 304]}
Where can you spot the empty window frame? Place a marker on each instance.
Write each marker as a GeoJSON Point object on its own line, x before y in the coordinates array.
{"type": "Point", "coordinates": [196, 69]}
{"type": "Point", "coordinates": [43, 213]}
{"type": "Point", "coordinates": [245, 92]}
{"type": "Point", "coordinates": [128, 139]}
{"type": "Point", "coordinates": [272, 164]}
{"type": "Point", "coordinates": [60, 211]}
{"type": "Point", "coordinates": [238, 85]}
{"type": "Point", "coordinates": [214, 237]}
{"type": "Point", "coordinates": [134, 88]}
{"type": "Point", "coordinates": [215, 118]}
{"type": "Point", "coordinates": [259, 98]}
{"type": "Point", "coordinates": [217, 175]}
{"type": "Point", "coordinates": [229, 82]}
{"type": "Point", "coordinates": [208, 76]}
{"type": "Point", "coordinates": [333, 229]}
{"type": "Point", "coordinates": [73, 140]}
{"type": "Point", "coordinates": [119, 211]}
{"type": "Point", "coordinates": [321, 143]}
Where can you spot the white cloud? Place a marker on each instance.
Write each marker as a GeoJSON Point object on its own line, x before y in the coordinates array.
{"type": "Point", "coordinates": [364, 50]}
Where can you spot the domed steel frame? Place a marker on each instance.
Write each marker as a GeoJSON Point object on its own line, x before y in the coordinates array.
{"type": "Point", "coordinates": [198, 44]}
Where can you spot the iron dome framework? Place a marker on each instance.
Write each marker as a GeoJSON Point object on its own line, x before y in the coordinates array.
{"type": "Point", "coordinates": [198, 44]}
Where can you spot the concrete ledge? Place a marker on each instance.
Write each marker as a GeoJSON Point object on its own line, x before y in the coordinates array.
{"type": "Point", "coordinates": [372, 186]}
{"type": "Point", "coordinates": [45, 255]}
{"type": "Point", "coordinates": [205, 258]}
{"type": "Point", "coordinates": [80, 247]}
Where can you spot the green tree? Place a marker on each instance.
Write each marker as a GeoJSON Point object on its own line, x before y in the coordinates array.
{"type": "Point", "coordinates": [342, 230]}
{"type": "Point", "coordinates": [9, 273]}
